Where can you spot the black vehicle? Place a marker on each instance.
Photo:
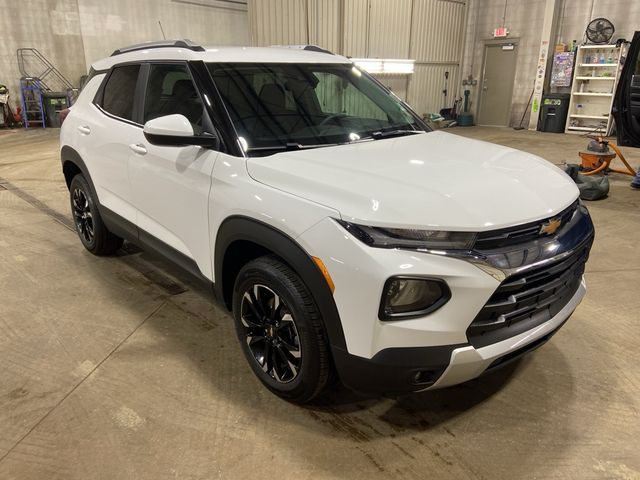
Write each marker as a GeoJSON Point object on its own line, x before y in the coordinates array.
{"type": "Point", "coordinates": [626, 104]}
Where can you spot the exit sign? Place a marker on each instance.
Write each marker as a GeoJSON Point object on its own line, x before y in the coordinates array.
{"type": "Point", "coordinates": [500, 32]}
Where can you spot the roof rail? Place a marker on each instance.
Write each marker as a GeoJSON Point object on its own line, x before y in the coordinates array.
{"type": "Point", "coordinates": [311, 48]}
{"type": "Point", "coordinates": [188, 44]}
{"type": "Point", "coordinates": [316, 48]}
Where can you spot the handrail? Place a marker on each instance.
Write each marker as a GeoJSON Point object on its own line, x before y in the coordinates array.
{"type": "Point", "coordinates": [32, 63]}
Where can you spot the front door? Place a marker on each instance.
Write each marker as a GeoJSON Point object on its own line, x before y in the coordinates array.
{"type": "Point", "coordinates": [497, 84]}
{"type": "Point", "coordinates": [170, 185]}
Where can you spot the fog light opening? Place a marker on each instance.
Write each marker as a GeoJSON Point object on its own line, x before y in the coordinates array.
{"type": "Point", "coordinates": [410, 297]}
{"type": "Point", "coordinates": [425, 377]}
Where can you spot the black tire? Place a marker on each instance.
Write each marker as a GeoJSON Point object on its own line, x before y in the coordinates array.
{"type": "Point", "coordinates": [274, 333]}
{"type": "Point", "coordinates": [92, 231]}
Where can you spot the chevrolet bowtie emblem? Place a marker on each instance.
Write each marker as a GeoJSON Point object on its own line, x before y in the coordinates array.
{"type": "Point", "coordinates": [550, 227]}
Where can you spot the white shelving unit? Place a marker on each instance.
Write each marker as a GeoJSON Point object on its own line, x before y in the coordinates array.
{"type": "Point", "coordinates": [594, 84]}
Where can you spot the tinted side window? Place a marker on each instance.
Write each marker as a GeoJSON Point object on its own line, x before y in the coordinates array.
{"type": "Point", "coordinates": [170, 90]}
{"type": "Point", "coordinates": [120, 90]}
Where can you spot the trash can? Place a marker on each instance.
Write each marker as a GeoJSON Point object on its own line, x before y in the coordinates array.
{"type": "Point", "coordinates": [53, 103]}
{"type": "Point", "coordinates": [553, 116]}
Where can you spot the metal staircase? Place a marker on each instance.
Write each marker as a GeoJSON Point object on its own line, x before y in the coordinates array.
{"type": "Point", "coordinates": [33, 64]}
{"type": "Point", "coordinates": [39, 75]}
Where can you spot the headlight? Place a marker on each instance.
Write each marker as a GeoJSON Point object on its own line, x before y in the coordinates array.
{"type": "Point", "coordinates": [408, 238]}
{"type": "Point", "coordinates": [409, 297]}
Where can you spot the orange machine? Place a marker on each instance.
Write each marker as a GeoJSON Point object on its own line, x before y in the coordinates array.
{"type": "Point", "coordinates": [598, 157]}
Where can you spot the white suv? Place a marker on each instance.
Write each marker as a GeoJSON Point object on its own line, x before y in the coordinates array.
{"type": "Point", "coordinates": [343, 234]}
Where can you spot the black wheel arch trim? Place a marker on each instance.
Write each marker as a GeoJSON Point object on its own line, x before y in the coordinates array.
{"type": "Point", "coordinates": [241, 228]}
{"type": "Point", "coordinates": [69, 155]}
{"type": "Point", "coordinates": [122, 228]}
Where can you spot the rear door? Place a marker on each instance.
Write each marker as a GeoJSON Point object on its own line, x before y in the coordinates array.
{"type": "Point", "coordinates": [626, 104]}
{"type": "Point", "coordinates": [110, 132]}
{"type": "Point", "coordinates": [170, 184]}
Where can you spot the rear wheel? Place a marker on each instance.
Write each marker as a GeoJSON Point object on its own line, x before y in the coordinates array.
{"type": "Point", "coordinates": [93, 233]}
{"type": "Point", "coordinates": [280, 330]}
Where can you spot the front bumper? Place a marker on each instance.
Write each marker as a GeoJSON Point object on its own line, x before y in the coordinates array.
{"type": "Point", "coordinates": [468, 362]}
{"type": "Point", "coordinates": [394, 371]}
{"type": "Point", "coordinates": [437, 350]}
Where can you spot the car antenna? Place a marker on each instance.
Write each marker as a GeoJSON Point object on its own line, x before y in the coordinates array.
{"type": "Point", "coordinates": [162, 30]}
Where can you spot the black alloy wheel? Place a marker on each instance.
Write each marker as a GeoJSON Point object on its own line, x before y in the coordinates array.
{"type": "Point", "coordinates": [93, 233]}
{"type": "Point", "coordinates": [82, 215]}
{"type": "Point", "coordinates": [271, 333]}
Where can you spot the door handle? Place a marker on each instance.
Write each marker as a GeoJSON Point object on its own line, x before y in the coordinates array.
{"type": "Point", "coordinates": [138, 148]}
{"type": "Point", "coordinates": [85, 130]}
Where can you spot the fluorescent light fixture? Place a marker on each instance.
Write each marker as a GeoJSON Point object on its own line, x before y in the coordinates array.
{"type": "Point", "coordinates": [404, 67]}
{"type": "Point", "coordinates": [390, 66]}
{"type": "Point", "coordinates": [371, 66]}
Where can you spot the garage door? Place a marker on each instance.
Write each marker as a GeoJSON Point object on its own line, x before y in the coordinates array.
{"type": "Point", "coordinates": [428, 31]}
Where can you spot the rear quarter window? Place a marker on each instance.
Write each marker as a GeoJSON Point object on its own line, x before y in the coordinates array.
{"type": "Point", "coordinates": [119, 91]}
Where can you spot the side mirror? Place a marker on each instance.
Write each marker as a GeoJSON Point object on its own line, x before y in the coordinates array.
{"type": "Point", "coordinates": [176, 131]}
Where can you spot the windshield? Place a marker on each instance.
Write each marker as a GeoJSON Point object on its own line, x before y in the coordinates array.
{"type": "Point", "coordinates": [281, 106]}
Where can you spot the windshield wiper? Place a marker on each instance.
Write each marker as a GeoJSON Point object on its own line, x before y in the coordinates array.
{"type": "Point", "coordinates": [288, 147]}
{"type": "Point", "coordinates": [392, 133]}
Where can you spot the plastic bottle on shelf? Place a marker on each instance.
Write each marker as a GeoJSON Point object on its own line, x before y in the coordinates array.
{"type": "Point", "coordinates": [587, 58]}
{"type": "Point", "coordinates": [610, 58]}
{"type": "Point", "coordinates": [601, 58]}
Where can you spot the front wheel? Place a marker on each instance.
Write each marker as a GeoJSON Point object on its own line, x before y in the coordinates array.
{"type": "Point", "coordinates": [280, 330]}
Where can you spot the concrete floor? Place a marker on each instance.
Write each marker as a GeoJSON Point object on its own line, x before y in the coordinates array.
{"type": "Point", "coordinates": [117, 368]}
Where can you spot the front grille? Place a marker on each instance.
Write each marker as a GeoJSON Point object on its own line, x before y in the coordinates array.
{"type": "Point", "coordinates": [526, 300]}
{"type": "Point", "coordinates": [520, 233]}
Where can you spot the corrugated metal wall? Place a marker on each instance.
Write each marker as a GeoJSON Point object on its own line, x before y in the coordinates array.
{"type": "Point", "coordinates": [437, 30]}
{"type": "Point", "coordinates": [390, 28]}
{"type": "Point", "coordinates": [278, 22]}
{"type": "Point", "coordinates": [356, 27]}
{"type": "Point", "coordinates": [426, 86]}
{"type": "Point", "coordinates": [325, 24]}
{"type": "Point", "coordinates": [437, 34]}
{"type": "Point", "coordinates": [429, 31]}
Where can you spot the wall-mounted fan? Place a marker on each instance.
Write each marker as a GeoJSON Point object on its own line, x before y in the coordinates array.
{"type": "Point", "coordinates": [599, 30]}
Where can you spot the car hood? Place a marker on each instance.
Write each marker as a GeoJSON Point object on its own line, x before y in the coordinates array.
{"type": "Point", "coordinates": [436, 180]}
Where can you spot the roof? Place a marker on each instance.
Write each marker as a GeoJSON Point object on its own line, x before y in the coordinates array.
{"type": "Point", "coordinates": [220, 54]}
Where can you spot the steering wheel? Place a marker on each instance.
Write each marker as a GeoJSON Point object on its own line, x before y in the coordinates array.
{"type": "Point", "coordinates": [332, 118]}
